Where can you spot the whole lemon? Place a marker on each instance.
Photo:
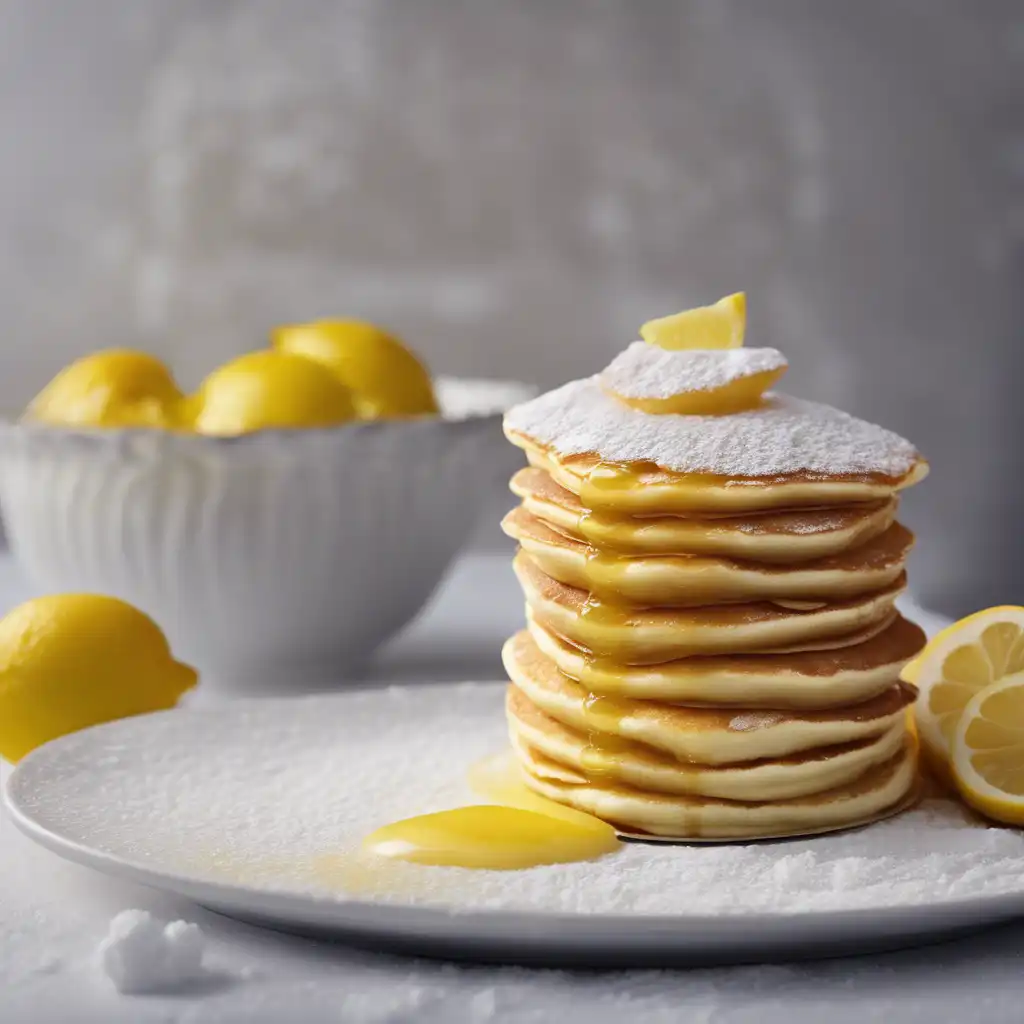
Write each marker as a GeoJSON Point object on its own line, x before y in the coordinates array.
{"type": "Point", "coordinates": [385, 376]}
{"type": "Point", "coordinates": [112, 388]}
{"type": "Point", "coordinates": [69, 661]}
{"type": "Point", "coordinates": [269, 389]}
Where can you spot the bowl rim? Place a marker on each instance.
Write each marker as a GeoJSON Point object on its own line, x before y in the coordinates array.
{"type": "Point", "coordinates": [496, 396]}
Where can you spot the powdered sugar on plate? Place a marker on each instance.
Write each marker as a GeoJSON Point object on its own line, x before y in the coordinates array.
{"type": "Point", "coordinates": [786, 435]}
{"type": "Point", "coordinates": [647, 371]}
{"type": "Point", "coordinates": [266, 794]}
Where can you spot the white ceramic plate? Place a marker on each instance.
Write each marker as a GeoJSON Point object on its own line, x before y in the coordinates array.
{"type": "Point", "coordinates": [254, 809]}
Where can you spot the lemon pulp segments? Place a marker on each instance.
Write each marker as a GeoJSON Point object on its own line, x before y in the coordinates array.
{"type": "Point", "coordinates": [988, 750]}
{"type": "Point", "coordinates": [958, 663]}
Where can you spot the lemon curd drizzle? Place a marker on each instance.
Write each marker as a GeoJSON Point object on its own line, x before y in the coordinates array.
{"type": "Point", "coordinates": [602, 482]}
{"type": "Point", "coordinates": [623, 535]}
{"type": "Point", "coordinates": [603, 485]}
{"type": "Point", "coordinates": [641, 490]}
{"type": "Point", "coordinates": [606, 479]}
{"type": "Point", "coordinates": [711, 535]}
{"type": "Point", "coordinates": [605, 748]}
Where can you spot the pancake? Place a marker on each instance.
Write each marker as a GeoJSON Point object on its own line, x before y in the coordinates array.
{"type": "Point", "coordinates": [689, 580]}
{"type": "Point", "coordinates": [643, 768]}
{"type": "Point", "coordinates": [783, 537]}
{"type": "Point", "coordinates": [702, 735]}
{"type": "Point", "coordinates": [878, 792]}
{"type": "Point", "coordinates": [648, 489]}
{"type": "Point", "coordinates": [782, 453]}
{"type": "Point", "coordinates": [639, 636]}
{"type": "Point", "coordinates": [808, 679]}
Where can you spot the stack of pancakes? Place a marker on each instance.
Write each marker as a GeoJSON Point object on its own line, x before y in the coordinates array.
{"type": "Point", "coordinates": [712, 648]}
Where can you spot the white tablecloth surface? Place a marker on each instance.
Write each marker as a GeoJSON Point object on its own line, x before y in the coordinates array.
{"type": "Point", "coordinates": [53, 913]}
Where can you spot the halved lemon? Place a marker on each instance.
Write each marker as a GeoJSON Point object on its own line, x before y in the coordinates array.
{"type": "Point", "coordinates": [958, 664]}
{"type": "Point", "coordinates": [988, 751]}
{"type": "Point", "coordinates": [719, 326]}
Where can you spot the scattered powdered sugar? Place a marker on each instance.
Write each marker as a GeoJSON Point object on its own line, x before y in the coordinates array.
{"type": "Point", "coordinates": [753, 720]}
{"type": "Point", "coordinates": [142, 955]}
{"type": "Point", "coordinates": [647, 371]}
{"type": "Point", "coordinates": [785, 435]}
{"type": "Point", "coordinates": [264, 794]}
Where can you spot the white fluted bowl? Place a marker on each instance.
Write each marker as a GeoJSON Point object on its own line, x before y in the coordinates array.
{"type": "Point", "coordinates": [275, 560]}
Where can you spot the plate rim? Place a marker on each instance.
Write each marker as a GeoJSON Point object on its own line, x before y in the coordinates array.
{"type": "Point", "coordinates": [988, 908]}
{"type": "Point", "coordinates": [184, 884]}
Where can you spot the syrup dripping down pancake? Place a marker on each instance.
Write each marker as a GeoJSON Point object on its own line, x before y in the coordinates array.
{"type": "Point", "coordinates": [701, 735]}
{"type": "Point", "coordinates": [647, 489]}
{"type": "Point", "coordinates": [806, 679]}
{"type": "Point", "coordinates": [691, 580]}
{"type": "Point", "coordinates": [874, 794]}
{"type": "Point", "coordinates": [645, 636]}
{"type": "Point", "coordinates": [786, 538]}
{"type": "Point", "coordinates": [647, 769]}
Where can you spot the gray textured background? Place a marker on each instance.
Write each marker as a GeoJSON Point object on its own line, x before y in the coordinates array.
{"type": "Point", "coordinates": [516, 185]}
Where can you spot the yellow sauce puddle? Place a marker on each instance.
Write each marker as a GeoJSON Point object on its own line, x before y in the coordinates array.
{"type": "Point", "coordinates": [519, 830]}
{"type": "Point", "coordinates": [491, 837]}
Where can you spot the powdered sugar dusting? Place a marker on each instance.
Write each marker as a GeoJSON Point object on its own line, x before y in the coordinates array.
{"type": "Point", "coordinates": [786, 435]}
{"type": "Point", "coordinates": [259, 793]}
{"type": "Point", "coordinates": [647, 371]}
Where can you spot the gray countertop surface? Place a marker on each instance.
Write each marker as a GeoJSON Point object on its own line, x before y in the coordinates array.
{"type": "Point", "coordinates": [53, 913]}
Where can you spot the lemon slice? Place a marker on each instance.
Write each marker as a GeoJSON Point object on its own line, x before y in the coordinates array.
{"type": "Point", "coordinates": [988, 751]}
{"type": "Point", "coordinates": [956, 666]}
{"type": "Point", "coordinates": [719, 326]}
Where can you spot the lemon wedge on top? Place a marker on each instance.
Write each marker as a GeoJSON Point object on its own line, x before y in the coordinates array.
{"type": "Point", "coordinates": [722, 325]}
{"type": "Point", "coordinates": [961, 663]}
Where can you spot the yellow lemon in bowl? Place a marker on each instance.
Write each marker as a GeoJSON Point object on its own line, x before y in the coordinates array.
{"type": "Point", "coordinates": [68, 661]}
{"type": "Point", "coordinates": [387, 379]}
{"type": "Point", "coordinates": [267, 390]}
{"type": "Point", "coordinates": [115, 387]}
